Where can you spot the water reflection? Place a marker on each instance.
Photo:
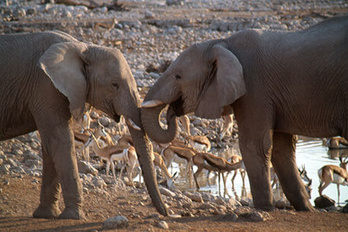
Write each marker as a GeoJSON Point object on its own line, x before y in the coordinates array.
{"type": "Point", "coordinates": [310, 152]}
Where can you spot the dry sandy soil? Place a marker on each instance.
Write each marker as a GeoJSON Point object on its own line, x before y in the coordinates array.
{"type": "Point", "coordinates": [20, 197]}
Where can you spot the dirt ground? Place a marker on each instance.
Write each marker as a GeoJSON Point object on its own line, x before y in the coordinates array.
{"type": "Point", "coordinates": [20, 196]}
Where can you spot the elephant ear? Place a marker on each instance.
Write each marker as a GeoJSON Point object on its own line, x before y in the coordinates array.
{"type": "Point", "coordinates": [226, 86]}
{"type": "Point", "coordinates": [63, 64]}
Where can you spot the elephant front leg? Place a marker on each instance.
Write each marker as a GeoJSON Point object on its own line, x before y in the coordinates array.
{"type": "Point", "coordinates": [284, 163]}
{"type": "Point", "coordinates": [60, 148]}
{"type": "Point", "coordinates": [50, 190]}
{"type": "Point", "coordinates": [256, 157]}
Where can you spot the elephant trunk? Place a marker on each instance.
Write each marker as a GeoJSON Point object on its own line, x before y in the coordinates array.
{"type": "Point", "coordinates": [150, 118]}
{"type": "Point", "coordinates": [144, 152]}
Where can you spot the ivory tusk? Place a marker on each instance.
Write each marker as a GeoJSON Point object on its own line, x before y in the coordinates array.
{"type": "Point", "coordinates": [152, 103]}
{"type": "Point", "coordinates": [132, 124]}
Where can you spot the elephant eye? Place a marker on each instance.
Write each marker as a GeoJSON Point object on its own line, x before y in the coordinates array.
{"type": "Point", "coordinates": [177, 76]}
{"type": "Point", "coordinates": [115, 85]}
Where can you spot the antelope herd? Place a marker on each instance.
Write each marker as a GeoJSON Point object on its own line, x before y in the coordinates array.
{"type": "Point", "coordinates": [192, 150]}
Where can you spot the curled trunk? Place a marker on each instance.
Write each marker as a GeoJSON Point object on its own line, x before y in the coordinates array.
{"type": "Point", "coordinates": [151, 122]}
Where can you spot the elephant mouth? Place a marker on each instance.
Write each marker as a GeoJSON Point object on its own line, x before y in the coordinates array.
{"type": "Point", "coordinates": [117, 118]}
{"type": "Point", "coordinates": [178, 107]}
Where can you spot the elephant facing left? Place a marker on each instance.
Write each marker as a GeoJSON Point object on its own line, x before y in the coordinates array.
{"type": "Point", "coordinates": [45, 80]}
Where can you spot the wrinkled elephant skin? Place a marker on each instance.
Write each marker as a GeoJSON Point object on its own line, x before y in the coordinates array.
{"type": "Point", "coordinates": [279, 84]}
{"type": "Point", "coordinates": [46, 79]}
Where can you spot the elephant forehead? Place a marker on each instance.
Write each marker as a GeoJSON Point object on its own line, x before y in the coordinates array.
{"type": "Point", "coordinates": [190, 56]}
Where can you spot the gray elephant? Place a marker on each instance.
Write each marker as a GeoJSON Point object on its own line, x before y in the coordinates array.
{"type": "Point", "coordinates": [45, 80]}
{"type": "Point", "coordinates": [279, 84]}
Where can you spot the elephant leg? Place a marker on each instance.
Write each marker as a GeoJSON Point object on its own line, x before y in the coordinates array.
{"type": "Point", "coordinates": [50, 190]}
{"type": "Point", "coordinates": [59, 142]}
{"type": "Point", "coordinates": [256, 154]}
{"type": "Point", "coordinates": [284, 163]}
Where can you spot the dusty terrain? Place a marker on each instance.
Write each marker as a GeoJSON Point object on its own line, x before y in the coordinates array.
{"type": "Point", "coordinates": [150, 34]}
{"type": "Point", "coordinates": [21, 196]}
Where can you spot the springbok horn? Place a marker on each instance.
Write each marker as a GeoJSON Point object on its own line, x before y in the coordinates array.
{"type": "Point", "coordinates": [152, 103]}
{"type": "Point", "coordinates": [100, 123]}
{"type": "Point", "coordinates": [132, 124]}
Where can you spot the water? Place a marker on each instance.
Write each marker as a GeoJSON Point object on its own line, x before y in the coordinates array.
{"type": "Point", "coordinates": [310, 152]}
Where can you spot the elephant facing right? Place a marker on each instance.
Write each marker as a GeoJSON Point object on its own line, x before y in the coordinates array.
{"type": "Point", "coordinates": [279, 84]}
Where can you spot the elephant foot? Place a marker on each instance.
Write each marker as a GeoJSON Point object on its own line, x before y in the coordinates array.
{"type": "Point", "coordinates": [72, 213]}
{"type": "Point", "coordinates": [46, 212]}
{"type": "Point", "coordinates": [305, 207]}
{"type": "Point", "coordinates": [265, 207]}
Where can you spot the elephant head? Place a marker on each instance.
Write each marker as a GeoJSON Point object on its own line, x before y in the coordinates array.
{"type": "Point", "coordinates": [205, 79]}
{"type": "Point", "coordinates": [101, 76]}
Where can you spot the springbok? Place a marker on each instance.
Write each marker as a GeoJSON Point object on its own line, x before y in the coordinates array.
{"type": "Point", "coordinates": [211, 162]}
{"type": "Point", "coordinates": [305, 178]}
{"type": "Point", "coordinates": [81, 140]}
{"type": "Point", "coordinates": [228, 125]}
{"type": "Point", "coordinates": [183, 152]}
{"type": "Point", "coordinates": [126, 140]}
{"type": "Point", "coordinates": [333, 174]}
{"type": "Point", "coordinates": [159, 162]}
{"type": "Point", "coordinates": [337, 142]}
{"type": "Point", "coordinates": [235, 159]}
{"type": "Point", "coordinates": [126, 154]}
{"type": "Point", "coordinates": [200, 142]}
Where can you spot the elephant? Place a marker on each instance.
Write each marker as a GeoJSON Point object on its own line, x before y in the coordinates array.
{"type": "Point", "coordinates": [279, 85]}
{"type": "Point", "coordinates": [46, 79]}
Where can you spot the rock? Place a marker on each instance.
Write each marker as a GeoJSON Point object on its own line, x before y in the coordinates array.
{"type": "Point", "coordinates": [196, 197]}
{"type": "Point", "coordinates": [233, 203]}
{"type": "Point", "coordinates": [98, 182]}
{"type": "Point", "coordinates": [256, 216]}
{"type": "Point", "coordinates": [5, 169]}
{"type": "Point", "coordinates": [115, 222]}
{"type": "Point", "coordinates": [219, 201]}
{"type": "Point", "coordinates": [94, 115]}
{"type": "Point", "coordinates": [86, 167]}
{"type": "Point", "coordinates": [175, 2]}
{"type": "Point", "coordinates": [166, 192]}
{"type": "Point", "coordinates": [163, 225]}
{"type": "Point", "coordinates": [323, 202]}
{"type": "Point", "coordinates": [105, 121]}
{"type": "Point", "coordinates": [345, 209]}
{"type": "Point", "coordinates": [149, 14]}
{"type": "Point", "coordinates": [208, 206]}
{"type": "Point", "coordinates": [29, 154]}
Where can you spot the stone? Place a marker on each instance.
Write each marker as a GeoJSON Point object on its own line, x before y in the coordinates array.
{"type": "Point", "coordinates": [196, 197]}
{"type": "Point", "coordinates": [118, 221]}
{"type": "Point", "coordinates": [345, 209]}
{"type": "Point", "coordinates": [323, 202]}
{"type": "Point", "coordinates": [98, 182]}
{"type": "Point", "coordinates": [163, 225]}
{"type": "Point", "coordinates": [149, 14]}
{"type": "Point", "coordinates": [256, 216]}
{"type": "Point", "coordinates": [166, 192]}
{"type": "Point", "coordinates": [105, 121]}
{"type": "Point", "coordinates": [86, 167]}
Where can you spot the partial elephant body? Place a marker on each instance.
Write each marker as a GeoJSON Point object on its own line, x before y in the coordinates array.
{"type": "Point", "coordinates": [279, 84]}
{"type": "Point", "coordinates": [19, 60]}
{"type": "Point", "coordinates": [46, 78]}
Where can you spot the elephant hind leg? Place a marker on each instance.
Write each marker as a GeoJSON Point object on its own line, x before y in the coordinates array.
{"type": "Point", "coordinates": [284, 163]}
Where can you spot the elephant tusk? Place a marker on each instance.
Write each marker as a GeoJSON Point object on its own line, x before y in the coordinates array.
{"type": "Point", "coordinates": [152, 103]}
{"type": "Point", "coordinates": [132, 124]}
